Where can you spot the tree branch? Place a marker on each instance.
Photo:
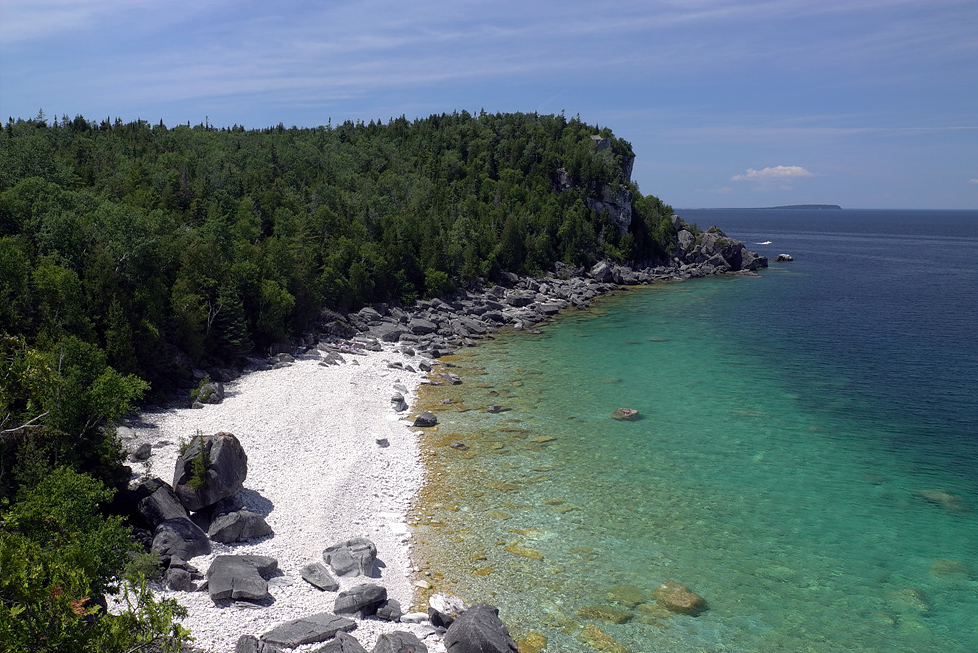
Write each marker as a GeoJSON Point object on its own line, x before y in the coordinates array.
{"type": "Point", "coordinates": [26, 425]}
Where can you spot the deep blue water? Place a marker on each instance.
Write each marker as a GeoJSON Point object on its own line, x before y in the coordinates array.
{"type": "Point", "coordinates": [888, 301]}
{"type": "Point", "coordinates": [793, 426]}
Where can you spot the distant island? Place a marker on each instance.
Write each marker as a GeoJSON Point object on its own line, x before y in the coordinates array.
{"type": "Point", "coordinates": [833, 207]}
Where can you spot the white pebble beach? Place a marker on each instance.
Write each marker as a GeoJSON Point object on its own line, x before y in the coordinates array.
{"type": "Point", "coordinates": [315, 468]}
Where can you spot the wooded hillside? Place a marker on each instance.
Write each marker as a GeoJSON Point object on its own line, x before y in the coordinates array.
{"type": "Point", "coordinates": [134, 237]}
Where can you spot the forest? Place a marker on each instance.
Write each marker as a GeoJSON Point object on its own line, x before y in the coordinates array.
{"type": "Point", "coordinates": [127, 247]}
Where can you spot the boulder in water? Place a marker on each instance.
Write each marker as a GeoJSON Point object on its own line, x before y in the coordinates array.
{"type": "Point", "coordinates": [676, 597]}
{"type": "Point", "coordinates": [625, 414]}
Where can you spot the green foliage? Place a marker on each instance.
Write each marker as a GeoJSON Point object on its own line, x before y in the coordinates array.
{"type": "Point", "coordinates": [57, 408]}
{"type": "Point", "coordinates": [198, 468]}
{"type": "Point", "coordinates": [200, 393]}
{"type": "Point", "coordinates": [145, 566]}
{"type": "Point", "coordinates": [58, 556]}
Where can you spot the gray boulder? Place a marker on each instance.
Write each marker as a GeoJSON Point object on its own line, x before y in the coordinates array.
{"type": "Point", "coordinates": [398, 403]}
{"type": "Point", "coordinates": [226, 466]}
{"type": "Point", "coordinates": [251, 644]}
{"type": "Point", "coordinates": [443, 609]}
{"type": "Point", "coordinates": [239, 577]}
{"type": "Point", "coordinates": [602, 272]}
{"type": "Point", "coordinates": [421, 326]}
{"type": "Point", "coordinates": [226, 505]}
{"type": "Point", "coordinates": [451, 378]}
{"type": "Point", "coordinates": [179, 580]}
{"type": "Point", "coordinates": [308, 630]}
{"type": "Point", "coordinates": [479, 630]}
{"type": "Point", "coordinates": [142, 452]}
{"type": "Point", "coordinates": [390, 611]}
{"type": "Point", "coordinates": [388, 332]}
{"type": "Point", "coordinates": [365, 599]}
{"type": "Point", "coordinates": [399, 642]}
{"type": "Point", "coordinates": [159, 504]}
{"type": "Point", "coordinates": [180, 538]}
{"type": "Point", "coordinates": [318, 576]}
{"type": "Point", "coordinates": [342, 643]}
{"type": "Point", "coordinates": [238, 527]}
{"type": "Point", "coordinates": [211, 393]}
{"type": "Point", "coordinates": [425, 420]}
{"type": "Point", "coordinates": [354, 557]}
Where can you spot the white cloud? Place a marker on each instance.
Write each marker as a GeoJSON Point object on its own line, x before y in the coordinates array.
{"type": "Point", "coordinates": [772, 174]}
{"type": "Point", "coordinates": [973, 181]}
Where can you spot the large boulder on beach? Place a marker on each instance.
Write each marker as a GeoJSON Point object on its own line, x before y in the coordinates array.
{"type": "Point", "coordinates": [398, 403]}
{"type": "Point", "coordinates": [316, 574]}
{"type": "Point", "coordinates": [479, 630]}
{"type": "Point", "coordinates": [240, 577]}
{"type": "Point", "coordinates": [365, 599]}
{"type": "Point", "coordinates": [602, 271]}
{"type": "Point", "coordinates": [180, 538]}
{"type": "Point", "coordinates": [399, 642]}
{"type": "Point", "coordinates": [238, 526]}
{"type": "Point", "coordinates": [353, 557]}
{"type": "Point", "coordinates": [342, 643]}
{"type": "Point", "coordinates": [308, 630]}
{"type": "Point", "coordinates": [211, 468]}
{"type": "Point", "coordinates": [420, 326]}
{"type": "Point", "coordinates": [251, 644]}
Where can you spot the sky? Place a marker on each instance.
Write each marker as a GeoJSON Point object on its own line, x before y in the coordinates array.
{"type": "Point", "coordinates": [727, 103]}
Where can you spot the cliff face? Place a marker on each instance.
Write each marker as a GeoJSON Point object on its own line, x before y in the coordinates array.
{"type": "Point", "coordinates": [616, 199]}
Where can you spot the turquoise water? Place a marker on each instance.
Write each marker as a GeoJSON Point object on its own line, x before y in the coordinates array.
{"type": "Point", "coordinates": [769, 472]}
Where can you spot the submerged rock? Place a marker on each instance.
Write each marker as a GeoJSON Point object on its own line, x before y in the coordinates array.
{"type": "Point", "coordinates": [605, 613]}
{"type": "Point", "coordinates": [602, 641]}
{"type": "Point", "coordinates": [625, 414]}
{"type": "Point", "coordinates": [944, 499]}
{"type": "Point", "coordinates": [678, 598]}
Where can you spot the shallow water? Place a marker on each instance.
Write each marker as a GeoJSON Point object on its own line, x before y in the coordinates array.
{"type": "Point", "coordinates": [775, 467]}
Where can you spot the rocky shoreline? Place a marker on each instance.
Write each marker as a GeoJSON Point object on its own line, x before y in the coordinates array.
{"type": "Point", "coordinates": [439, 326]}
{"type": "Point", "coordinates": [234, 527]}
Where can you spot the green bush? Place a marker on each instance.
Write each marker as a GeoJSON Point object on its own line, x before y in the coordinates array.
{"type": "Point", "coordinates": [58, 557]}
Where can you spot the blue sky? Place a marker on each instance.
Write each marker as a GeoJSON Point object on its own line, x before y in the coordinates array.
{"type": "Point", "coordinates": [867, 104]}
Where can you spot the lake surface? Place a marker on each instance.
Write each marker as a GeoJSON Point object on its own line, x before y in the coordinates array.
{"type": "Point", "coordinates": [806, 457]}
